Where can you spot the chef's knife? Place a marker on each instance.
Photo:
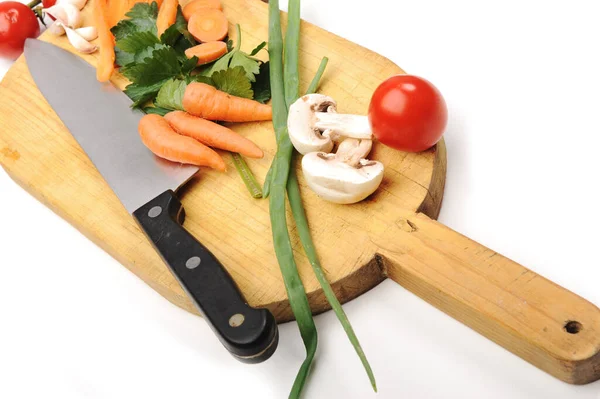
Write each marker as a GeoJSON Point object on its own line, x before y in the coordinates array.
{"type": "Point", "coordinates": [99, 116]}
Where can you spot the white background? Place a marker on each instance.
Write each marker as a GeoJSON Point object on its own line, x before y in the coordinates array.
{"type": "Point", "coordinates": [521, 80]}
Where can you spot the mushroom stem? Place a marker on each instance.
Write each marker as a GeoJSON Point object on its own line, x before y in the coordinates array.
{"type": "Point", "coordinates": [351, 126]}
{"type": "Point", "coordinates": [351, 151]}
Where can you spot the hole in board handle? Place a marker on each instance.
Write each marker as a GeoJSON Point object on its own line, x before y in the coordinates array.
{"type": "Point", "coordinates": [573, 327]}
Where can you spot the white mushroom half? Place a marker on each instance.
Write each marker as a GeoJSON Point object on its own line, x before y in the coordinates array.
{"type": "Point", "coordinates": [314, 124]}
{"type": "Point", "coordinates": [345, 177]}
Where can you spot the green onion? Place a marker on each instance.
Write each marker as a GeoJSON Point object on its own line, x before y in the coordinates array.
{"type": "Point", "coordinates": [247, 176]}
{"type": "Point", "coordinates": [314, 84]}
{"type": "Point", "coordinates": [311, 89]}
{"type": "Point", "coordinates": [281, 239]}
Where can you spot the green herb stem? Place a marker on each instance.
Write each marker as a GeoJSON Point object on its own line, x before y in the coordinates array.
{"type": "Point", "coordinates": [247, 176]}
{"type": "Point", "coordinates": [292, 45]}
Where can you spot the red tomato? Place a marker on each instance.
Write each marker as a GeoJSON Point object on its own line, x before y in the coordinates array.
{"type": "Point", "coordinates": [48, 4]}
{"type": "Point", "coordinates": [408, 113]}
{"type": "Point", "coordinates": [17, 23]}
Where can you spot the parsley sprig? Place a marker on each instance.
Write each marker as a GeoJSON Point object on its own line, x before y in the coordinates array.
{"type": "Point", "coordinates": [159, 70]}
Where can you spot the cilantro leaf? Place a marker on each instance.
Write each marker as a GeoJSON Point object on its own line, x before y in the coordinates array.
{"type": "Point", "coordinates": [251, 67]}
{"type": "Point", "coordinates": [233, 81]}
{"type": "Point", "coordinates": [137, 41]}
{"type": "Point", "coordinates": [157, 111]}
{"type": "Point", "coordinates": [171, 94]}
{"type": "Point", "coordinates": [164, 64]}
{"type": "Point", "coordinates": [262, 86]}
{"type": "Point", "coordinates": [139, 94]}
{"type": "Point", "coordinates": [258, 48]}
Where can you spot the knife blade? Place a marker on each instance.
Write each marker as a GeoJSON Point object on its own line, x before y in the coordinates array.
{"type": "Point", "coordinates": [100, 118]}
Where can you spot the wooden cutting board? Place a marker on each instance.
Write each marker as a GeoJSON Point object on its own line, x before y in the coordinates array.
{"type": "Point", "coordinates": [391, 234]}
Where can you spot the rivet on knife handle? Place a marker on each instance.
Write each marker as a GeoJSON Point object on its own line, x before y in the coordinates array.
{"type": "Point", "coordinates": [249, 334]}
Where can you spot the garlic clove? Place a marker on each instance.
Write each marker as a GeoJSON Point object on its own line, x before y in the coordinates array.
{"type": "Point", "coordinates": [56, 29]}
{"type": "Point", "coordinates": [89, 33]}
{"type": "Point", "coordinates": [66, 13]}
{"type": "Point", "coordinates": [80, 44]}
{"type": "Point", "coordinates": [77, 3]}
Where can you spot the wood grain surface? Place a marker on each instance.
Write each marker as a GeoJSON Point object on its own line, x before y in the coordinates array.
{"type": "Point", "coordinates": [391, 234]}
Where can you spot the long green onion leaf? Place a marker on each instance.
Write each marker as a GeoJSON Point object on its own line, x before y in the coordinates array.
{"type": "Point", "coordinates": [314, 84]}
{"type": "Point", "coordinates": [281, 239]}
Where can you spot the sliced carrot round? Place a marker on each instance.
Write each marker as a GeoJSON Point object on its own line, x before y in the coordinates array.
{"type": "Point", "coordinates": [195, 5]}
{"type": "Point", "coordinates": [207, 52]}
{"type": "Point", "coordinates": [208, 25]}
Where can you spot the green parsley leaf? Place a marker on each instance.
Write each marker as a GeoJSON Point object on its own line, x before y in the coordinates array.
{"type": "Point", "coordinates": [177, 35]}
{"type": "Point", "coordinates": [141, 56]}
{"type": "Point", "coordinates": [201, 79]}
{"type": "Point", "coordinates": [251, 67]}
{"type": "Point", "coordinates": [157, 111]}
{"type": "Point", "coordinates": [139, 94]}
{"type": "Point", "coordinates": [143, 11]}
{"type": "Point", "coordinates": [262, 86]}
{"type": "Point", "coordinates": [233, 81]}
{"type": "Point", "coordinates": [258, 48]}
{"type": "Point", "coordinates": [123, 58]}
{"type": "Point", "coordinates": [137, 41]}
{"type": "Point", "coordinates": [235, 58]}
{"type": "Point", "coordinates": [164, 64]}
{"type": "Point", "coordinates": [171, 94]}
{"type": "Point", "coordinates": [123, 28]}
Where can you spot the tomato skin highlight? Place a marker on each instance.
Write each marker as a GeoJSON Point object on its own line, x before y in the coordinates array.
{"type": "Point", "coordinates": [408, 113]}
{"type": "Point", "coordinates": [17, 23]}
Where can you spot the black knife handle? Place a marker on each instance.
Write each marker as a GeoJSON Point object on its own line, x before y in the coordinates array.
{"type": "Point", "coordinates": [249, 334]}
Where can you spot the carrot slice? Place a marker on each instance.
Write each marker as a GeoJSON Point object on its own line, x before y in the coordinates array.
{"type": "Point", "coordinates": [208, 25]}
{"type": "Point", "coordinates": [212, 134]}
{"type": "Point", "coordinates": [209, 103]}
{"type": "Point", "coordinates": [195, 5]}
{"type": "Point", "coordinates": [164, 142]}
{"type": "Point", "coordinates": [207, 52]}
{"type": "Point", "coordinates": [106, 43]}
{"type": "Point", "coordinates": [166, 16]}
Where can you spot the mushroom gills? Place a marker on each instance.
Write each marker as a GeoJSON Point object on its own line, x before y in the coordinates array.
{"type": "Point", "coordinates": [339, 182]}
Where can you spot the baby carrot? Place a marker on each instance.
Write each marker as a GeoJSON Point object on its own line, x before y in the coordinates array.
{"type": "Point", "coordinates": [166, 15]}
{"type": "Point", "coordinates": [209, 103]}
{"type": "Point", "coordinates": [164, 142]}
{"type": "Point", "coordinates": [106, 42]}
{"type": "Point", "coordinates": [212, 134]}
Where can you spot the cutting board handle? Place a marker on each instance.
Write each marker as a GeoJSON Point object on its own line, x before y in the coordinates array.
{"type": "Point", "coordinates": [538, 320]}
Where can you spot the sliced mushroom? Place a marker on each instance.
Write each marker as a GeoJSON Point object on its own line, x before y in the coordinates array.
{"type": "Point", "coordinates": [345, 177]}
{"type": "Point", "coordinates": [304, 135]}
{"type": "Point", "coordinates": [314, 124]}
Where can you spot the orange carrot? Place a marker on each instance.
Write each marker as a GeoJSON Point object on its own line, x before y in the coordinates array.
{"type": "Point", "coordinates": [106, 42]}
{"type": "Point", "coordinates": [207, 52]}
{"type": "Point", "coordinates": [209, 103]}
{"type": "Point", "coordinates": [208, 25]}
{"type": "Point", "coordinates": [164, 142]}
{"type": "Point", "coordinates": [212, 134]}
{"type": "Point", "coordinates": [166, 16]}
{"type": "Point", "coordinates": [195, 5]}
